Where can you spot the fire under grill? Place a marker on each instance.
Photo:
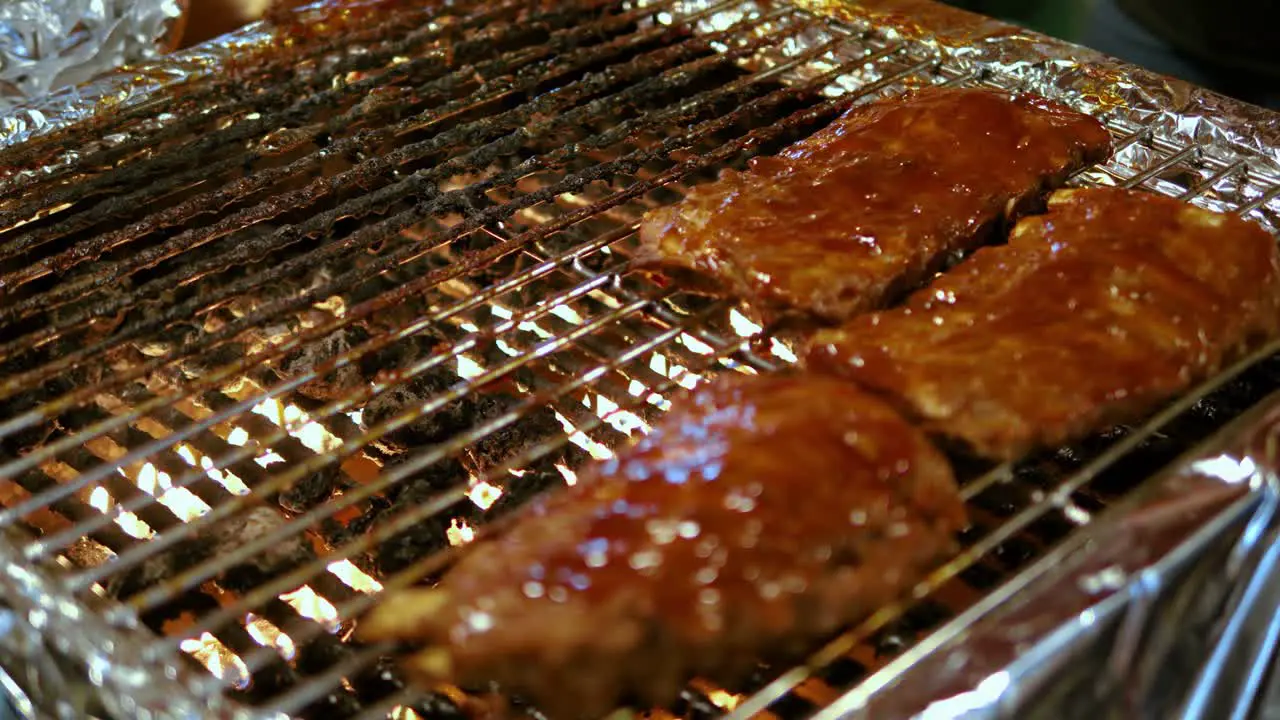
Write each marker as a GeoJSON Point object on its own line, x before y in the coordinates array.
{"type": "Point", "coordinates": [290, 336]}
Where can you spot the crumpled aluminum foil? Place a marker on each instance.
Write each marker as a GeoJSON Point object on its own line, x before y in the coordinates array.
{"type": "Point", "coordinates": [1162, 607]}
{"type": "Point", "coordinates": [71, 658]}
{"type": "Point", "coordinates": [50, 44]}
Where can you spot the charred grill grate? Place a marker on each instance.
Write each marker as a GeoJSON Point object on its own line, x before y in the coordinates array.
{"type": "Point", "coordinates": [274, 343]}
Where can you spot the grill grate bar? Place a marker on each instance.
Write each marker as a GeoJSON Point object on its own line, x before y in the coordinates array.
{"type": "Point", "coordinates": [1227, 170]}
{"type": "Point", "coordinates": [280, 482]}
{"type": "Point", "coordinates": [466, 344]}
{"type": "Point", "coordinates": [533, 183]}
{"type": "Point", "coordinates": [496, 86]}
{"type": "Point", "coordinates": [384, 708]}
{"type": "Point", "coordinates": [360, 239]}
{"type": "Point", "coordinates": [275, 436]}
{"type": "Point", "coordinates": [317, 687]}
{"type": "Point", "coordinates": [248, 128]}
{"type": "Point", "coordinates": [1263, 199]}
{"type": "Point", "coordinates": [158, 594]}
{"type": "Point", "coordinates": [1008, 528]}
{"type": "Point", "coordinates": [1020, 521]}
{"type": "Point", "coordinates": [279, 76]}
{"type": "Point", "coordinates": [109, 536]}
{"type": "Point", "coordinates": [1187, 153]}
{"type": "Point", "coordinates": [442, 501]}
{"type": "Point", "coordinates": [419, 183]}
{"type": "Point", "coordinates": [405, 577]}
{"type": "Point", "coordinates": [702, 130]}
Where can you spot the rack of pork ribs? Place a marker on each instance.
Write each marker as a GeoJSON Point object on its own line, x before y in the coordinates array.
{"type": "Point", "coordinates": [764, 512]}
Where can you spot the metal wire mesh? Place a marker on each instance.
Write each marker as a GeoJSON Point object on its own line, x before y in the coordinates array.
{"type": "Point", "coordinates": [285, 340]}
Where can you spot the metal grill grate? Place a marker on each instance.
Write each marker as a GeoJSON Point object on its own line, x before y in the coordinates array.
{"type": "Point", "coordinates": [448, 206]}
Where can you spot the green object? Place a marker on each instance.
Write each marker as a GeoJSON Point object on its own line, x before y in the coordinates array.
{"type": "Point", "coordinates": [1061, 18]}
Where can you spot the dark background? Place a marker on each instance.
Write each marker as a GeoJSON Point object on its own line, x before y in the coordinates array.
{"type": "Point", "coordinates": [1232, 46]}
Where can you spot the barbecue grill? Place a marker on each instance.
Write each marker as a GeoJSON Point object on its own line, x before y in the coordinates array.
{"type": "Point", "coordinates": [233, 310]}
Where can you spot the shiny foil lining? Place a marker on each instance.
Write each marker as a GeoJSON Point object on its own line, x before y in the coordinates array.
{"type": "Point", "coordinates": [67, 661]}
{"type": "Point", "coordinates": [1165, 607]}
{"type": "Point", "coordinates": [127, 79]}
{"type": "Point", "coordinates": [1161, 606]}
{"type": "Point", "coordinates": [47, 45]}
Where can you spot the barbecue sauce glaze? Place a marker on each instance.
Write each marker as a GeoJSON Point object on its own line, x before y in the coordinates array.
{"type": "Point", "coordinates": [862, 210]}
{"type": "Point", "coordinates": [1094, 314]}
{"type": "Point", "coordinates": [759, 515]}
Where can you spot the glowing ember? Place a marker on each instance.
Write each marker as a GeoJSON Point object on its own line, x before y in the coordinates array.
{"type": "Point", "coordinates": [724, 700]}
{"type": "Point", "coordinates": [695, 344]}
{"type": "Point", "coordinates": [535, 328]}
{"type": "Point", "coordinates": [679, 373]}
{"type": "Point", "coordinates": [238, 437]}
{"type": "Point", "coordinates": [335, 305]}
{"type": "Point", "coordinates": [566, 313]}
{"type": "Point", "coordinates": [147, 479]}
{"type": "Point", "coordinates": [353, 577]}
{"type": "Point", "coordinates": [484, 495]}
{"type": "Point", "coordinates": [99, 499]}
{"type": "Point", "coordinates": [518, 473]}
{"type": "Point", "coordinates": [188, 455]}
{"type": "Point", "coordinates": [570, 477]}
{"type": "Point", "coordinates": [401, 712]}
{"type": "Point", "coordinates": [460, 533]}
{"type": "Point", "coordinates": [782, 351]}
{"type": "Point", "coordinates": [621, 420]}
{"type": "Point", "coordinates": [684, 378]}
{"type": "Point", "coordinates": [637, 388]}
{"type": "Point", "coordinates": [314, 437]}
{"type": "Point", "coordinates": [310, 605]}
{"type": "Point", "coordinates": [181, 501]}
{"type": "Point", "coordinates": [609, 301]}
{"type": "Point", "coordinates": [221, 662]}
{"type": "Point", "coordinates": [743, 326]}
{"type": "Point", "coordinates": [102, 501]}
{"type": "Point", "coordinates": [225, 478]}
{"type": "Point", "coordinates": [468, 368]}
{"type": "Point", "coordinates": [311, 434]}
{"type": "Point", "coordinates": [184, 504]}
{"type": "Point", "coordinates": [579, 438]}
{"type": "Point", "coordinates": [268, 635]}
{"type": "Point", "coordinates": [268, 458]}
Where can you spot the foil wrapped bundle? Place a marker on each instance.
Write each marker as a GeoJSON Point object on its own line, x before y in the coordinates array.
{"type": "Point", "coordinates": [50, 44]}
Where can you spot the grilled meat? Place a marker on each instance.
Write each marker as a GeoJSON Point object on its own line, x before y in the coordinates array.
{"type": "Point", "coordinates": [1096, 312]}
{"type": "Point", "coordinates": [695, 551]}
{"type": "Point", "coordinates": [866, 208]}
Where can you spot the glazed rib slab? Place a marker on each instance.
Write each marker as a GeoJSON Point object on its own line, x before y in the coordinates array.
{"type": "Point", "coordinates": [698, 550]}
{"type": "Point", "coordinates": [1095, 313]}
{"type": "Point", "coordinates": [862, 211]}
